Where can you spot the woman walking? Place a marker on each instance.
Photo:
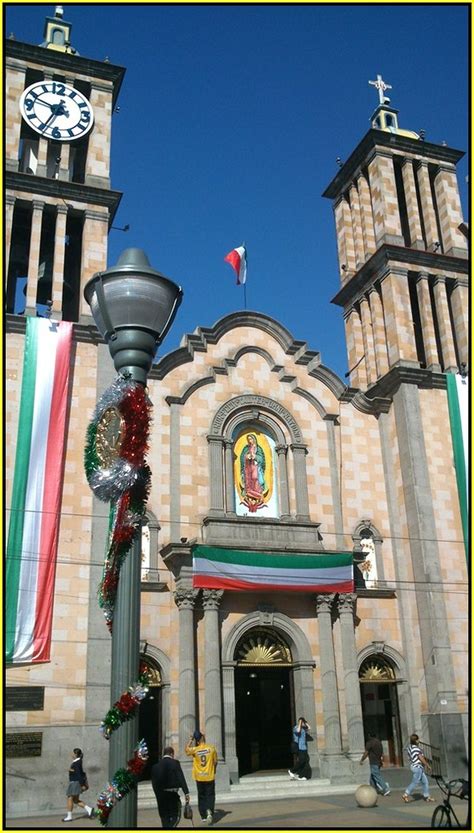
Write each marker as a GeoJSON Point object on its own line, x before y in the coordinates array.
{"type": "Point", "coordinates": [77, 783]}
{"type": "Point", "coordinates": [418, 764]}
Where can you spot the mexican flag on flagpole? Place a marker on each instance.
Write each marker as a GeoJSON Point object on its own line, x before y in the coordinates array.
{"type": "Point", "coordinates": [238, 260]}
{"type": "Point", "coordinates": [458, 403]}
{"type": "Point", "coordinates": [225, 569]}
{"type": "Point", "coordinates": [37, 486]}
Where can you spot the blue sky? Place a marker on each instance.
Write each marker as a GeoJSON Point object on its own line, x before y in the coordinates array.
{"type": "Point", "coordinates": [231, 118]}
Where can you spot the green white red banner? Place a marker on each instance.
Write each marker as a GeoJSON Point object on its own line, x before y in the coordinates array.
{"type": "Point", "coordinates": [226, 569]}
{"type": "Point", "coordinates": [37, 488]}
{"type": "Point", "coordinates": [458, 402]}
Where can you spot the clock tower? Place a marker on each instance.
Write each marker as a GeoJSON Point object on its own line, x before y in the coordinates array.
{"type": "Point", "coordinates": [59, 203]}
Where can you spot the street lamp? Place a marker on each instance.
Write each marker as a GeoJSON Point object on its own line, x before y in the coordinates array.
{"type": "Point", "coordinates": [133, 307]}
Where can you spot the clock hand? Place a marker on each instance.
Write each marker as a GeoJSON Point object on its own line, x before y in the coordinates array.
{"type": "Point", "coordinates": [58, 110]}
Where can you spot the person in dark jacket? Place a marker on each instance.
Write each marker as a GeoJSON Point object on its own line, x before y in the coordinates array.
{"type": "Point", "coordinates": [77, 783]}
{"type": "Point", "coordinates": [167, 778]}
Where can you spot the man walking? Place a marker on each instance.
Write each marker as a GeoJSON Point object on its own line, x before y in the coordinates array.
{"type": "Point", "coordinates": [374, 752]}
{"type": "Point", "coordinates": [167, 778]}
{"type": "Point", "coordinates": [302, 770]}
{"type": "Point", "coordinates": [204, 757]}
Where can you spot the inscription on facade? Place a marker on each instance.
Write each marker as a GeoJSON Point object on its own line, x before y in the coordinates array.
{"type": "Point", "coordinates": [253, 400]}
{"type": "Point", "coordinates": [23, 744]}
{"type": "Point", "coordinates": [19, 698]}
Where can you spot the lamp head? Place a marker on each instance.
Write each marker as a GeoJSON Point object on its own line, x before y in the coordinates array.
{"type": "Point", "coordinates": [133, 306]}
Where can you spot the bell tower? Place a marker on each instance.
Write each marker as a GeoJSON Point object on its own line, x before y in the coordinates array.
{"type": "Point", "coordinates": [59, 201]}
{"type": "Point", "coordinates": [402, 252]}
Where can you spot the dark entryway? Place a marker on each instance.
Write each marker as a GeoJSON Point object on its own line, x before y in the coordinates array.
{"type": "Point", "coordinates": [149, 727]}
{"type": "Point", "coordinates": [263, 697]}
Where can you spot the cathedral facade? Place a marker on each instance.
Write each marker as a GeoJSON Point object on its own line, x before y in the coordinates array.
{"type": "Point", "coordinates": [263, 460]}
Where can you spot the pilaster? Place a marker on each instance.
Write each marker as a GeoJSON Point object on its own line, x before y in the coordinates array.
{"type": "Point", "coordinates": [460, 310]}
{"type": "Point", "coordinates": [34, 256]}
{"type": "Point", "coordinates": [345, 240]}
{"type": "Point", "coordinates": [427, 206]}
{"type": "Point", "coordinates": [94, 251]}
{"type": "Point", "coordinates": [378, 330]}
{"type": "Point", "coordinates": [368, 339]}
{"type": "Point", "coordinates": [366, 216]}
{"type": "Point", "coordinates": [282, 451]}
{"type": "Point", "coordinates": [385, 200]}
{"type": "Point", "coordinates": [332, 726]}
{"type": "Point", "coordinates": [427, 322]}
{"type": "Point", "coordinates": [355, 349]}
{"type": "Point", "coordinates": [356, 226]}
{"type": "Point", "coordinates": [9, 209]}
{"type": "Point", "coordinates": [413, 213]}
{"type": "Point", "coordinates": [399, 327]}
{"type": "Point", "coordinates": [301, 482]}
{"type": "Point", "coordinates": [448, 353]}
{"type": "Point", "coordinates": [98, 152]}
{"type": "Point", "coordinates": [449, 211]}
{"type": "Point", "coordinates": [229, 476]}
{"type": "Point", "coordinates": [216, 470]}
{"type": "Point", "coordinates": [58, 261]}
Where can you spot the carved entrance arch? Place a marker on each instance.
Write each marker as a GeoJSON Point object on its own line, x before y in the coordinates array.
{"type": "Point", "coordinates": [286, 633]}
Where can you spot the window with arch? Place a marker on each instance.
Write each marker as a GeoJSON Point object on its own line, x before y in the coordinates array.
{"type": "Point", "coordinates": [255, 472]}
{"type": "Point", "coordinates": [366, 555]}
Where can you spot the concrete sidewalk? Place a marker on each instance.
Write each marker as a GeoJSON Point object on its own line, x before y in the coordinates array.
{"type": "Point", "coordinates": [320, 813]}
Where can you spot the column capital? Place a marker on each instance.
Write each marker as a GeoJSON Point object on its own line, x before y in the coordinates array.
{"type": "Point", "coordinates": [299, 447]}
{"type": "Point", "coordinates": [281, 448]}
{"type": "Point", "coordinates": [422, 276]}
{"type": "Point", "coordinates": [215, 438]}
{"type": "Point", "coordinates": [62, 209]}
{"type": "Point", "coordinates": [38, 205]}
{"type": "Point", "coordinates": [10, 199]}
{"type": "Point", "coordinates": [346, 603]}
{"type": "Point", "coordinates": [211, 599]}
{"type": "Point", "coordinates": [439, 279]}
{"type": "Point", "coordinates": [324, 602]}
{"type": "Point", "coordinates": [185, 599]}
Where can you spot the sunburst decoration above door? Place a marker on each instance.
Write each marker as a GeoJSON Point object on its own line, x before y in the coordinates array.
{"type": "Point", "coordinates": [262, 648]}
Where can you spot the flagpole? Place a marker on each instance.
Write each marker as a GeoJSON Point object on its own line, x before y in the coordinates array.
{"type": "Point", "coordinates": [245, 284]}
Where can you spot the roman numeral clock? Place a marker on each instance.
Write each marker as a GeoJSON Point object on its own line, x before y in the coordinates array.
{"type": "Point", "coordinates": [56, 111]}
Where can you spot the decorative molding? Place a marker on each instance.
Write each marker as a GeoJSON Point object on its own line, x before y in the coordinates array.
{"type": "Point", "coordinates": [251, 400]}
{"type": "Point", "coordinates": [78, 192]}
{"type": "Point", "coordinates": [399, 375]}
{"type": "Point", "coordinates": [185, 599]}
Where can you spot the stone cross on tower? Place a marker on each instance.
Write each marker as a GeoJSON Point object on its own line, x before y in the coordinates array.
{"type": "Point", "coordinates": [381, 86]}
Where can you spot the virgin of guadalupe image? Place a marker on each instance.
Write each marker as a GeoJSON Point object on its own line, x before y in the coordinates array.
{"type": "Point", "coordinates": [252, 474]}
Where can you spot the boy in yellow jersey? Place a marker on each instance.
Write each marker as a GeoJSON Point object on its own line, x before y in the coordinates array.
{"type": "Point", "coordinates": [204, 757]}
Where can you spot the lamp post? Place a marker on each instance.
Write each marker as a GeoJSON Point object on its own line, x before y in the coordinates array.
{"type": "Point", "coordinates": [133, 307]}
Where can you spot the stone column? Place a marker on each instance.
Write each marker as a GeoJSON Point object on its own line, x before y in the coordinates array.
{"type": "Point", "coordinates": [185, 600]}
{"type": "Point", "coordinates": [345, 239]}
{"type": "Point", "coordinates": [281, 451]}
{"type": "Point", "coordinates": [460, 310]}
{"type": "Point", "coordinates": [211, 600]}
{"type": "Point", "coordinates": [93, 253]}
{"type": "Point", "coordinates": [355, 349]}
{"type": "Point", "coordinates": [9, 208]}
{"type": "Point", "coordinates": [65, 151]}
{"type": "Point", "coordinates": [449, 211]}
{"type": "Point", "coordinates": [385, 206]}
{"type": "Point", "coordinates": [399, 326]}
{"type": "Point", "coordinates": [368, 339]}
{"type": "Point", "coordinates": [230, 748]}
{"type": "Point", "coordinates": [42, 165]}
{"type": "Point", "coordinates": [332, 726]}
{"type": "Point", "coordinates": [355, 728]}
{"type": "Point", "coordinates": [427, 323]}
{"type": "Point", "coordinates": [427, 207]}
{"type": "Point", "coordinates": [229, 476]}
{"type": "Point", "coordinates": [450, 364]}
{"type": "Point", "coordinates": [34, 256]}
{"type": "Point", "coordinates": [58, 262]}
{"type": "Point", "coordinates": [366, 216]}
{"type": "Point", "coordinates": [413, 213]}
{"type": "Point", "coordinates": [301, 482]}
{"type": "Point", "coordinates": [378, 329]}
{"type": "Point", "coordinates": [356, 226]}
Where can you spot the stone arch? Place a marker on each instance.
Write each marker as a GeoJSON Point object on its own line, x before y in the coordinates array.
{"type": "Point", "coordinates": [150, 520]}
{"type": "Point", "coordinates": [159, 658]}
{"type": "Point", "coordinates": [302, 669]}
{"type": "Point", "coordinates": [400, 700]}
{"type": "Point", "coordinates": [275, 418]}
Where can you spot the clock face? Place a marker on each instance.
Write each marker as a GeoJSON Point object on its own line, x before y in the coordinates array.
{"type": "Point", "coordinates": [56, 110]}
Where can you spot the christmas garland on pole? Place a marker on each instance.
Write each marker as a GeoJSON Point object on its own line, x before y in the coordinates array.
{"type": "Point", "coordinates": [114, 462]}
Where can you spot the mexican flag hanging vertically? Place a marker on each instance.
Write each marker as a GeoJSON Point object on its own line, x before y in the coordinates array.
{"type": "Point", "coordinates": [37, 487]}
{"type": "Point", "coordinates": [458, 402]}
